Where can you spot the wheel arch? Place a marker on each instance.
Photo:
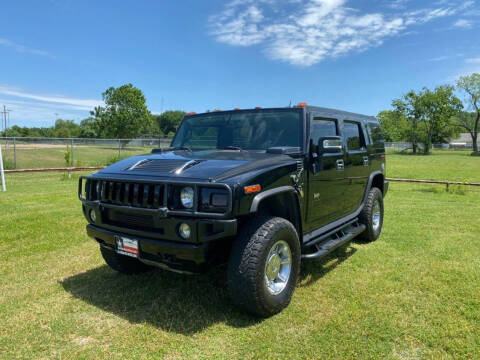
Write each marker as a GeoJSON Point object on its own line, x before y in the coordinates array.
{"type": "Point", "coordinates": [377, 179]}
{"type": "Point", "coordinates": [281, 202]}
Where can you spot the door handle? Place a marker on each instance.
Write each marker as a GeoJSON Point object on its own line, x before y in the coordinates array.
{"type": "Point", "coordinates": [366, 161]}
{"type": "Point", "coordinates": [340, 165]}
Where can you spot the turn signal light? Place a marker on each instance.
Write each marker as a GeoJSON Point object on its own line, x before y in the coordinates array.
{"type": "Point", "coordinates": [251, 189]}
{"type": "Point", "coordinates": [302, 104]}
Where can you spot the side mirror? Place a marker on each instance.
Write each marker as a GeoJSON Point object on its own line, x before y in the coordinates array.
{"type": "Point", "coordinates": [330, 144]}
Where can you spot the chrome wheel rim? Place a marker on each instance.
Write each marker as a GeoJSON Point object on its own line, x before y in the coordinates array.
{"type": "Point", "coordinates": [376, 216]}
{"type": "Point", "coordinates": [278, 267]}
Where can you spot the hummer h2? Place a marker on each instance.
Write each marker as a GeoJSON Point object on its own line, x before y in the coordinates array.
{"type": "Point", "coordinates": [258, 189]}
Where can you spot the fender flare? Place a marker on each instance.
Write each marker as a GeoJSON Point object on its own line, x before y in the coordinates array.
{"type": "Point", "coordinates": [267, 193]}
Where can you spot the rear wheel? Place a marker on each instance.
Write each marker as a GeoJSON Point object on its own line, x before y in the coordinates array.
{"type": "Point", "coordinates": [264, 265]}
{"type": "Point", "coordinates": [123, 264]}
{"type": "Point", "coordinates": [372, 215]}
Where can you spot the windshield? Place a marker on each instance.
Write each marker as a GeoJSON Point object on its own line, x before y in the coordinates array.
{"type": "Point", "coordinates": [255, 130]}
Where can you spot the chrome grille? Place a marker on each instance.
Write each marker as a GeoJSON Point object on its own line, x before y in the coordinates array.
{"type": "Point", "coordinates": [142, 195]}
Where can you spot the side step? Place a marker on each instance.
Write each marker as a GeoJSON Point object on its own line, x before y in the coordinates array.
{"type": "Point", "coordinates": [331, 241]}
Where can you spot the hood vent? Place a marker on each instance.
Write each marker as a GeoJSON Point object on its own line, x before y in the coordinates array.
{"type": "Point", "coordinates": [158, 165]}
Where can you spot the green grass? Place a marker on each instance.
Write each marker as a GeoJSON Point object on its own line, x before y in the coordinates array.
{"type": "Point", "coordinates": [82, 156]}
{"type": "Point", "coordinates": [411, 294]}
{"type": "Point", "coordinates": [453, 165]}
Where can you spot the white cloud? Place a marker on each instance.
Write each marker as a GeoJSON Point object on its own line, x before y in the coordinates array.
{"type": "Point", "coordinates": [22, 48]}
{"type": "Point", "coordinates": [30, 109]}
{"type": "Point", "coordinates": [463, 23]}
{"type": "Point", "coordinates": [473, 60]}
{"type": "Point", "coordinates": [73, 103]}
{"type": "Point", "coordinates": [305, 33]}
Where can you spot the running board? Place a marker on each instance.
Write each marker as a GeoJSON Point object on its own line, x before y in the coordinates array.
{"type": "Point", "coordinates": [331, 241]}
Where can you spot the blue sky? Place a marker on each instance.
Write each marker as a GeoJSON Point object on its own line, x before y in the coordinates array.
{"type": "Point", "coordinates": [58, 56]}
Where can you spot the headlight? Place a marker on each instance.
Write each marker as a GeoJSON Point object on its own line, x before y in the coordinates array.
{"type": "Point", "coordinates": [186, 197]}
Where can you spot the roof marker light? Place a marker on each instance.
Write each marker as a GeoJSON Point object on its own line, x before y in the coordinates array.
{"type": "Point", "coordinates": [191, 113]}
{"type": "Point", "coordinates": [302, 104]}
{"type": "Point", "coordinates": [236, 109]}
{"type": "Point", "coordinates": [258, 107]}
{"type": "Point", "coordinates": [217, 110]}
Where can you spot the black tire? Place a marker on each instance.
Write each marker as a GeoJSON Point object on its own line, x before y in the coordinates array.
{"type": "Point", "coordinates": [123, 264]}
{"type": "Point", "coordinates": [373, 231]}
{"type": "Point", "coordinates": [246, 277]}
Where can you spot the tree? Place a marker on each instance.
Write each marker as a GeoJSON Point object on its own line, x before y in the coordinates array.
{"type": "Point", "coordinates": [125, 114]}
{"type": "Point", "coordinates": [428, 116]}
{"type": "Point", "coordinates": [410, 107]}
{"type": "Point", "coordinates": [88, 128]}
{"type": "Point", "coordinates": [471, 86]}
{"type": "Point", "coordinates": [438, 110]}
{"type": "Point", "coordinates": [393, 125]}
{"type": "Point", "coordinates": [169, 120]}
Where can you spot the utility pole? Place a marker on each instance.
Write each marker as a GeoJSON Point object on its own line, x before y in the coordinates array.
{"type": "Point", "coordinates": [6, 116]}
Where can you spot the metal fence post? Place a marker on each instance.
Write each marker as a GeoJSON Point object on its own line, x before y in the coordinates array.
{"type": "Point", "coordinates": [119, 148]}
{"type": "Point", "coordinates": [72, 151]}
{"type": "Point", "coordinates": [14, 152]}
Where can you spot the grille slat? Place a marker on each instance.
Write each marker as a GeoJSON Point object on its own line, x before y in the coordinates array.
{"type": "Point", "coordinates": [148, 196]}
{"type": "Point", "coordinates": [146, 188]}
{"type": "Point", "coordinates": [135, 194]}
{"type": "Point", "coordinates": [126, 198]}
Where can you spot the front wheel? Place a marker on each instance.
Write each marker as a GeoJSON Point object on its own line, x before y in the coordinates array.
{"type": "Point", "coordinates": [372, 215]}
{"type": "Point", "coordinates": [264, 266]}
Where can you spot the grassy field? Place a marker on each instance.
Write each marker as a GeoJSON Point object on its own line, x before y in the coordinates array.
{"type": "Point", "coordinates": [454, 165]}
{"type": "Point", "coordinates": [82, 156]}
{"type": "Point", "coordinates": [412, 294]}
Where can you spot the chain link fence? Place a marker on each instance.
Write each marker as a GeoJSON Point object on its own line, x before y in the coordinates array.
{"type": "Point", "coordinates": [402, 146]}
{"type": "Point", "coordinates": [33, 153]}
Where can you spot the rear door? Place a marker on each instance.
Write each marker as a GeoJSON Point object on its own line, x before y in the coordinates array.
{"type": "Point", "coordinates": [326, 185]}
{"type": "Point", "coordinates": [357, 164]}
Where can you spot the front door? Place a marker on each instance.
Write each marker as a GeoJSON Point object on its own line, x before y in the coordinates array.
{"type": "Point", "coordinates": [326, 185]}
{"type": "Point", "coordinates": [357, 163]}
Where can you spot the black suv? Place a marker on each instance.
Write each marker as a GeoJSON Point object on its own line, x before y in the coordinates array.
{"type": "Point", "coordinates": [258, 189]}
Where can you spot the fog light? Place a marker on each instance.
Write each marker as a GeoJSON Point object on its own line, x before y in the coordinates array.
{"type": "Point", "coordinates": [184, 230]}
{"type": "Point", "coordinates": [93, 216]}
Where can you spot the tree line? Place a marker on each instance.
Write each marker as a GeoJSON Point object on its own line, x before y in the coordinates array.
{"type": "Point", "coordinates": [429, 116]}
{"type": "Point", "coordinates": [125, 115]}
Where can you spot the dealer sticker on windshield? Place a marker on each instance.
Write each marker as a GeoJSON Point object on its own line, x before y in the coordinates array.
{"type": "Point", "coordinates": [126, 246]}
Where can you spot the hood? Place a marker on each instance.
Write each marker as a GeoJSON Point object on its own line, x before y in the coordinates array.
{"type": "Point", "coordinates": [213, 165]}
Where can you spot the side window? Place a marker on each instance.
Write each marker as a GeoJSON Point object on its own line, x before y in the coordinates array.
{"type": "Point", "coordinates": [376, 133]}
{"type": "Point", "coordinates": [321, 128]}
{"type": "Point", "coordinates": [353, 135]}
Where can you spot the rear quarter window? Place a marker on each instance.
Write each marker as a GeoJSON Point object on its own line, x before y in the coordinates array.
{"type": "Point", "coordinates": [375, 133]}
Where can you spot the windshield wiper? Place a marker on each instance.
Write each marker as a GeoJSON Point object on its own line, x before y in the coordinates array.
{"type": "Point", "coordinates": [230, 147]}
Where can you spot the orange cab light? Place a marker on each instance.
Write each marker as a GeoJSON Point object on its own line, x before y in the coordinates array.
{"type": "Point", "coordinates": [217, 110]}
{"type": "Point", "coordinates": [251, 189]}
{"type": "Point", "coordinates": [191, 113]}
{"type": "Point", "coordinates": [258, 107]}
{"type": "Point", "coordinates": [236, 109]}
{"type": "Point", "coordinates": [302, 104]}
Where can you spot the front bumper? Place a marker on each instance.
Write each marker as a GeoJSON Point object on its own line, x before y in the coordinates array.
{"type": "Point", "coordinates": [181, 257]}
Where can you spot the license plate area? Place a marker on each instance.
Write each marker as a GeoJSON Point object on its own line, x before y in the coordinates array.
{"type": "Point", "coordinates": [126, 246]}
